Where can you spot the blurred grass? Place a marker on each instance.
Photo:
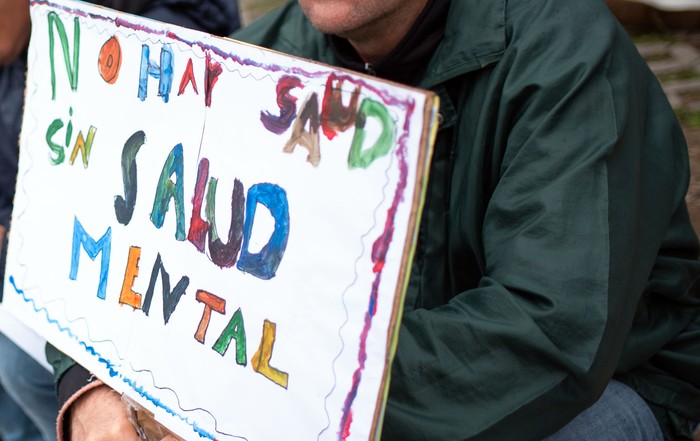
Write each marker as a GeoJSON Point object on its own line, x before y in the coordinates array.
{"type": "Point", "coordinates": [252, 9]}
{"type": "Point", "coordinates": [689, 118]}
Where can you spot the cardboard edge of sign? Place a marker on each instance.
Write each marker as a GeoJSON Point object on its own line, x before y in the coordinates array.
{"type": "Point", "coordinates": [429, 133]}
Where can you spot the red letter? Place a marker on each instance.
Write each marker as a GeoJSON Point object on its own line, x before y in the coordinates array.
{"type": "Point", "coordinates": [334, 116]}
{"type": "Point", "coordinates": [211, 76]}
{"type": "Point", "coordinates": [188, 77]}
{"type": "Point", "coordinates": [198, 226]}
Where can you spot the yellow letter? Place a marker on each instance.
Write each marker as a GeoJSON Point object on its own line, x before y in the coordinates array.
{"type": "Point", "coordinates": [261, 359]}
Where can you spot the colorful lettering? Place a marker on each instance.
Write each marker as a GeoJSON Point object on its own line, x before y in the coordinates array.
{"type": "Point", "coordinates": [110, 60]}
{"type": "Point", "coordinates": [198, 226]}
{"type": "Point", "coordinates": [170, 298]}
{"type": "Point", "coordinates": [127, 295]}
{"type": "Point", "coordinates": [54, 127]}
{"type": "Point", "coordinates": [211, 76]}
{"type": "Point", "coordinates": [92, 248]}
{"type": "Point", "coordinates": [167, 190]}
{"type": "Point", "coordinates": [287, 105]}
{"type": "Point", "coordinates": [308, 139]}
{"type": "Point", "coordinates": [162, 72]}
{"type": "Point", "coordinates": [359, 157]}
{"type": "Point", "coordinates": [265, 263]}
{"type": "Point", "coordinates": [261, 359]}
{"type": "Point", "coordinates": [83, 146]}
{"type": "Point", "coordinates": [235, 330]}
{"type": "Point", "coordinates": [124, 206]}
{"type": "Point", "coordinates": [69, 128]}
{"type": "Point", "coordinates": [335, 117]}
{"type": "Point", "coordinates": [187, 78]}
{"type": "Point", "coordinates": [72, 71]}
{"type": "Point", "coordinates": [224, 255]}
{"type": "Point", "coordinates": [211, 302]}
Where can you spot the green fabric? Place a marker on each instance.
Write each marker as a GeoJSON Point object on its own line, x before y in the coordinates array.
{"type": "Point", "coordinates": [59, 361]}
{"type": "Point", "coordinates": [555, 249]}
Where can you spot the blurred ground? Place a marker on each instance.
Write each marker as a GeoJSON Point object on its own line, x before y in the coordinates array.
{"type": "Point", "coordinates": [668, 40]}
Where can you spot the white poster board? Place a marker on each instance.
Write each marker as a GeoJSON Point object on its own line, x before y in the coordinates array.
{"type": "Point", "coordinates": [219, 231]}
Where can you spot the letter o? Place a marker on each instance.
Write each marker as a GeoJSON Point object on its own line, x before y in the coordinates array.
{"type": "Point", "coordinates": [110, 60]}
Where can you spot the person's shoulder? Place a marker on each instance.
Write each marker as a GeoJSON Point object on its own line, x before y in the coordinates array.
{"type": "Point", "coordinates": [555, 19]}
{"type": "Point", "coordinates": [568, 31]}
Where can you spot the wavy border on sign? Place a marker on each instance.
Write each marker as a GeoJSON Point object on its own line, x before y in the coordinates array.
{"type": "Point", "coordinates": [112, 369]}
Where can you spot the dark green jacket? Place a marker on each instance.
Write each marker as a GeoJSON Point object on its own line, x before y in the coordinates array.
{"type": "Point", "coordinates": [555, 249]}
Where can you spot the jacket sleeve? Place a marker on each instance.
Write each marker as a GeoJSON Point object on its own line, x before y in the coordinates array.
{"type": "Point", "coordinates": [591, 171]}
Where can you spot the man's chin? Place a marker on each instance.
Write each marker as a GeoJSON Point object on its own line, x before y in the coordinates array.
{"type": "Point", "coordinates": [336, 20]}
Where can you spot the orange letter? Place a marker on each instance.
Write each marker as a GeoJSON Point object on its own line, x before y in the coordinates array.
{"type": "Point", "coordinates": [128, 296]}
{"type": "Point", "coordinates": [110, 60]}
{"type": "Point", "coordinates": [210, 302]}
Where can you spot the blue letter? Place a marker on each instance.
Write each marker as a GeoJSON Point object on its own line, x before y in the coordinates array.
{"type": "Point", "coordinates": [164, 72]}
{"type": "Point", "coordinates": [92, 248]}
{"type": "Point", "coordinates": [264, 264]}
{"type": "Point", "coordinates": [168, 190]}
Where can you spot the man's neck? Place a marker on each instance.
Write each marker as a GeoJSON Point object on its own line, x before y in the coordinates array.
{"type": "Point", "coordinates": [378, 38]}
{"type": "Point", "coordinates": [407, 60]}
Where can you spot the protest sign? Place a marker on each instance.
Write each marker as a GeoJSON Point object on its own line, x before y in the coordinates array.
{"type": "Point", "coordinates": [218, 231]}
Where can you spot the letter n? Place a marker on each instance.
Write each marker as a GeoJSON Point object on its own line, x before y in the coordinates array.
{"type": "Point", "coordinates": [170, 298]}
{"type": "Point", "coordinates": [92, 248]}
{"type": "Point", "coordinates": [162, 72]}
{"type": "Point", "coordinates": [55, 22]}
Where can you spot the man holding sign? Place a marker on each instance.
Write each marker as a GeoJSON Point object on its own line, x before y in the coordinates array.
{"type": "Point", "coordinates": [555, 280]}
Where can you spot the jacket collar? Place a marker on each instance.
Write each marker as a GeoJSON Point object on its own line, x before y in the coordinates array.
{"type": "Point", "coordinates": [475, 37]}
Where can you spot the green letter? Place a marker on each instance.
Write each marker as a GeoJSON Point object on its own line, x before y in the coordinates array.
{"type": "Point", "coordinates": [168, 190]}
{"type": "Point", "coordinates": [363, 158]}
{"type": "Point", "coordinates": [235, 330]}
{"type": "Point", "coordinates": [54, 127]}
{"type": "Point", "coordinates": [55, 21]}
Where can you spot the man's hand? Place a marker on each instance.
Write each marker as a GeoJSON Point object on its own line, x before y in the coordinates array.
{"type": "Point", "coordinates": [100, 415]}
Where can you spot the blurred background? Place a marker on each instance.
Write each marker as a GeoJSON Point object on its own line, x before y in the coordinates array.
{"type": "Point", "coordinates": [667, 34]}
